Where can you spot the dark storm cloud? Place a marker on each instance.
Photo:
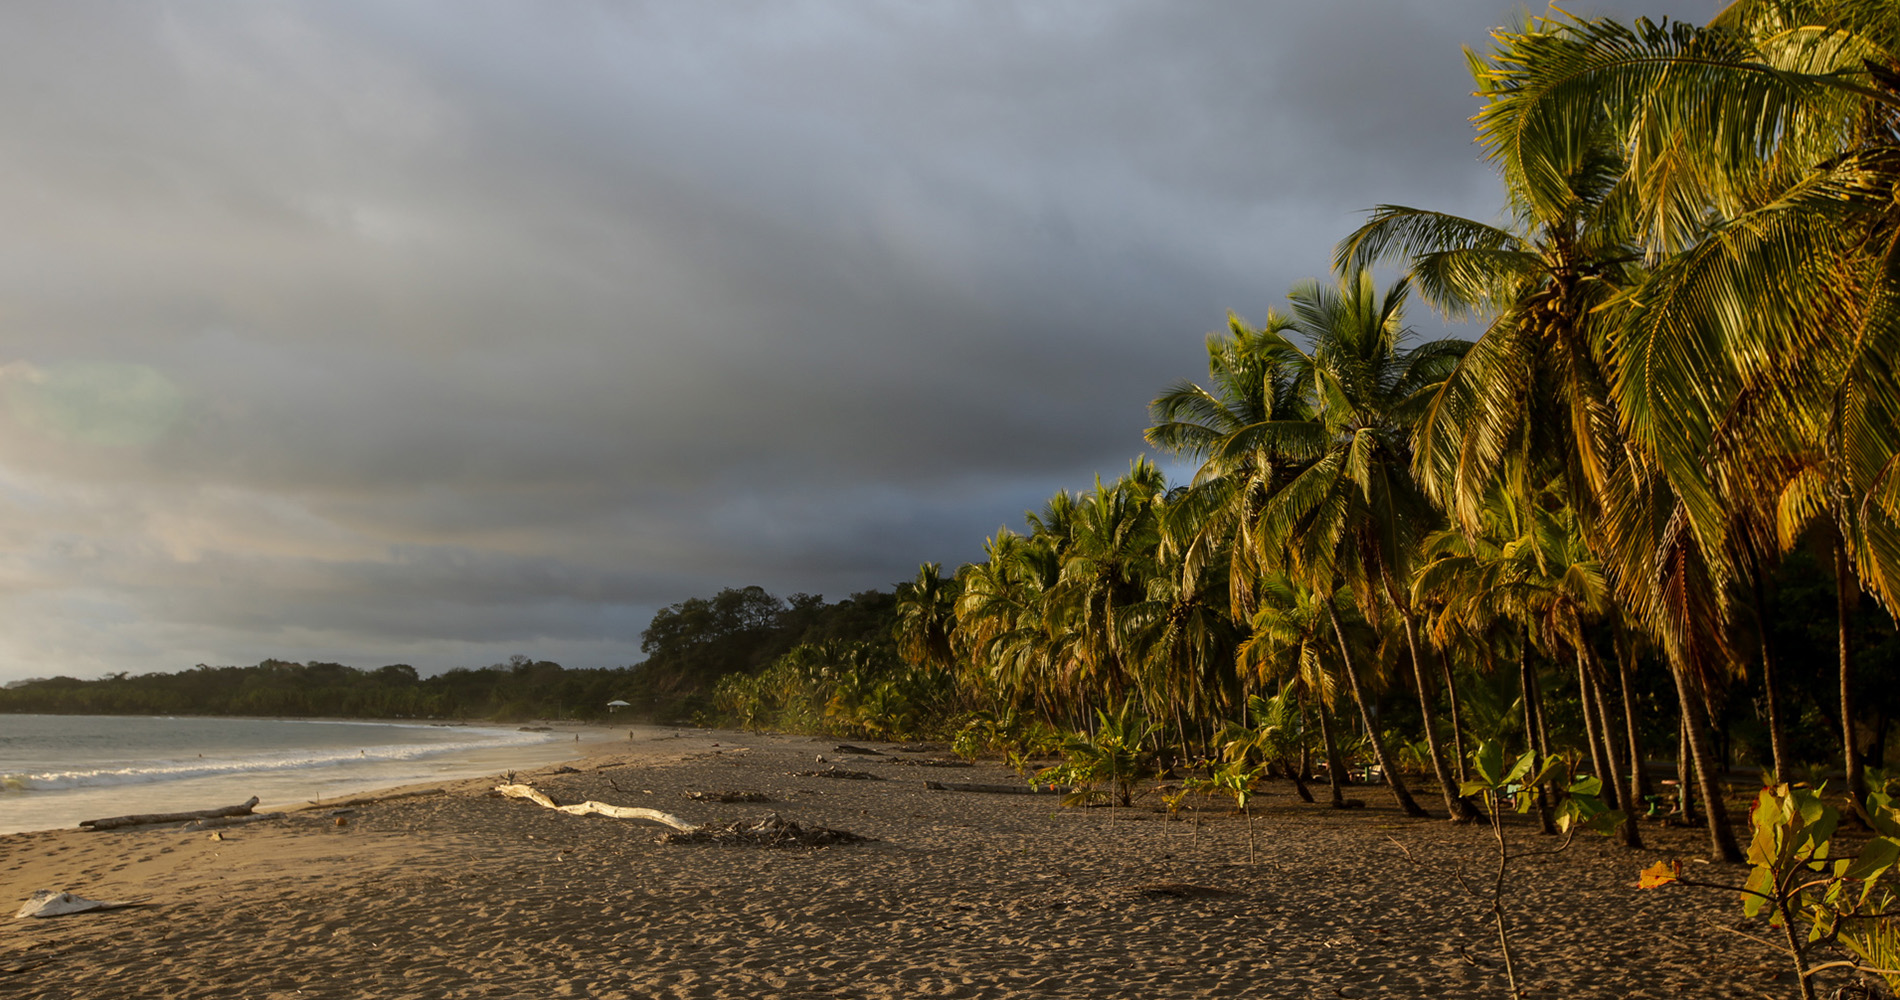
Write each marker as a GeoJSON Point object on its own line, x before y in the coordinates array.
{"type": "Point", "coordinates": [435, 332]}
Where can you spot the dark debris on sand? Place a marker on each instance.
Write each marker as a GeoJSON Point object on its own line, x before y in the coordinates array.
{"type": "Point", "coordinates": [838, 772]}
{"type": "Point", "coordinates": [772, 831]}
{"type": "Point", "coordinates": [729, 796]}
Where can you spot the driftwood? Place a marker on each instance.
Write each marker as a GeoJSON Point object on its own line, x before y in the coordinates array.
{"type": "Point", "coordinates": [147, 819]}
{"type": "Point", "coordinates": [955, 786]}
{"type": "Point", "coordinates": [865, 751]}
{"type": "Point", "coordinates": [591, 808]}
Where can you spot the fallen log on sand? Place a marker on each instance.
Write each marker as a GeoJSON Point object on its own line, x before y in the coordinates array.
{"type": "Point", "coordinates": [147, 819]}
{"type": "Point", "coordinates": [591, 808]}
{"type": "Point", "coordinates": [954, 786]}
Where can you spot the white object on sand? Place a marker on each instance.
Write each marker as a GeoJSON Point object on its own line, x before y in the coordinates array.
{"type": "Point", "coordinates": [47, 903]}
{"type": "Point", "coordinates": [591, 808]}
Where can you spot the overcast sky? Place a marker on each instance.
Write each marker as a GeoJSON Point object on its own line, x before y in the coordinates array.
{"type": "Point", "coordinates": [436, 332]}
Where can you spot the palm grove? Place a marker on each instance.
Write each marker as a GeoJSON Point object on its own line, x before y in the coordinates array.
{"type": "Point", "coordinates": [1661, 482]}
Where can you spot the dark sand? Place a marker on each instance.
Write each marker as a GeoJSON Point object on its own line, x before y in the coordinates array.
{"type": "Point", "coordinates": [963, 895]}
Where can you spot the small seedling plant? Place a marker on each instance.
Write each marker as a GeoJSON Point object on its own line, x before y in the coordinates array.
{"type": "Point", "coordinates": [1236, 780]}
{"type": "Point", "coordinates": [1105, 764]}
{"type": "Point", "coordinates": [1503, 787]}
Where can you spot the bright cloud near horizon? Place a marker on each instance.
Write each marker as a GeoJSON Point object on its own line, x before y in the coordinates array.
{"type": "Point", "coordinates": [435, 332]}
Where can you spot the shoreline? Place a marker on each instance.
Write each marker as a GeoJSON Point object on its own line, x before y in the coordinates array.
{"type": "Point", "coordinates": [281, 788]}
{"type": "Point", "coordinates": [960, 894]}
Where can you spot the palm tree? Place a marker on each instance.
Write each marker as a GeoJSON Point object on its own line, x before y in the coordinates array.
{"type": "Point", "coordinates": [927, 619]}
{"type": "Point", "coordinates": [1108, 559]}
{"type": "Point", "coordinates": [1234, 429]}
{"type": "Point", "coordinates": [1292, 642]}
{"type": "Point", "coordinates": [1352, 514]}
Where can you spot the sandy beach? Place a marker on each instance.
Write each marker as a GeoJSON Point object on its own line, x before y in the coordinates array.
{"type": "Point", "coordinates": [962, 894]}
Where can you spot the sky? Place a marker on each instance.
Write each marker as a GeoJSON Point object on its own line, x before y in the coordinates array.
{"type": "Point", "coordinates": [436, 332]}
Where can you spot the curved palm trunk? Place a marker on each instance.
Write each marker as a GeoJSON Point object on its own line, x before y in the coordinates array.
{"type": "Point", "coordinates": [1335, 768]}
{"type": "Point", "coordinates": [1639, 774]}
{"type": "Point", "coordinates": [1618, 778]}
{"type": "Point", "coordinates": [1392, 778]}
{"type": "Point", "coordinates": [1843, 607]}
{"type": "Point", "coordinates": [1457, 719]}
{"type": "Point", "coordinates": [1306, 745]}
{"type": "Point", "coordinates": [1685, 786]}
{"type": "Point", "coordinates": [1592, 732]}
{"type": "Point", "coordinates": [1457, 807]}
{"type": "Point", "coordinates": [1533, 728]}
{"type": "Point", "coordinates": [1695, 724]}
{"type": "Point", "coordinates": [1776, 742]}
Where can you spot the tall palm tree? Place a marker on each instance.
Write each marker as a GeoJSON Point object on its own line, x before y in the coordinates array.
{"type": "Point", "coordinates": [1352, 514]}
{"type": "Point", "coordinates": [1107, 562]}
{"type": "Point", "coordinates": [1233, 428]}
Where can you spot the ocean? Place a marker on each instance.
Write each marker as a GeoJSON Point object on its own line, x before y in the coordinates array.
{"type": "Point", "coordinates": [56, 770]}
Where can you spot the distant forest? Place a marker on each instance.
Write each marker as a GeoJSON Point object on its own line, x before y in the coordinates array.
{"type": "Point", "coordinates": [689, 646]}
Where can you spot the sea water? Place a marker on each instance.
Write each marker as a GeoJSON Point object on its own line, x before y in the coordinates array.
{"type": "Point", "coordinates": [56, 770]}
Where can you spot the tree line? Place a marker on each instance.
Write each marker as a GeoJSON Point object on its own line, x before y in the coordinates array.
{"type": "Point", "coordinates": [689, 645]}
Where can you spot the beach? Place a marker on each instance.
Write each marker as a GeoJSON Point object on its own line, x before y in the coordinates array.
{"type": "Point", "coordinates": [458, 893]}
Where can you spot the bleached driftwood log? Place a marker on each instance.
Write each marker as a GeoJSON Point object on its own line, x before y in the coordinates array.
{"type": "Point", "coordinates": [147, 819]}
{"type": "Point", "coordinates": [591, 808]}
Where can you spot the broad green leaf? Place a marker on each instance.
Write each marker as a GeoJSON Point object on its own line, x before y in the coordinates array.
{"type": "Point", "coordinates": [1874, 860]}
{"type": "Point", "coordinates": [1522, 767]}
{"type": "Point", "coordinates": [1760, 880]}
{"type": "Point", "coordinates": [1590, 786]}
{"type": "Point", "coordinates": [1489, 763]}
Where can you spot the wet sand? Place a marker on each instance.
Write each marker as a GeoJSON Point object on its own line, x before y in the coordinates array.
{"type": "Point", "coordinates": [462, 894]}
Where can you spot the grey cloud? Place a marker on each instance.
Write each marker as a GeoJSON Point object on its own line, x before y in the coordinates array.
{"type": "Point", "coordinates": [498, 325]}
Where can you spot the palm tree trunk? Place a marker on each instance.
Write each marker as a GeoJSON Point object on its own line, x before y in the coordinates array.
{"type": "Point", "coordinates": [1696, 725]}
{"type": "Point", "coordinates": [1685, 794]}
{"type": "Point", "coordinates": [1639, 774]}
{"type": "Point", "coordinates": [1392, 777]}
{"type": "Point", "coordinates": [1306, 745]}
{"type": "Point", "coordinates": [1533, 728]}
{"type": "Point", "coordinates": [1586, 700]}
{"type": "Point", "coordinates": [1618, 777]}
{"type": "Point", "coordinates": [1457, 718]}
{"type": "Point", "coordinates": [1777, 743]}
{"type": "Point", "coordinates": [1460, 810]}
{"type": "Point", "coordinates": [1843, 606]}
{"type": "Point", "coordinates": [1335, 768]}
